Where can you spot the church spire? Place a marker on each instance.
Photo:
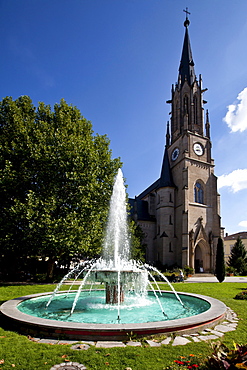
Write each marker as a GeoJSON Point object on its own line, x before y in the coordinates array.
{"type": "Point", "coordinates": [167, 135]}
{"type": "Point", "coordinates": [186, 68]}
{"type": "Point", "coordinates": [166, 173]}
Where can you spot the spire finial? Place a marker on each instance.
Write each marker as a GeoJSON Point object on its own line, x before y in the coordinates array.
{"type": "Point", "coordinates": [186, 22]}
{"type": "Point", "coordinates": [167, 135]}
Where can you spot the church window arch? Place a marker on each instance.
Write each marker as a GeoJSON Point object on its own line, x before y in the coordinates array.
{"type": "Point", "coordinates": [195, 102]}
{"type": "Point", "coordinates": [170, 198]}
{"type": "Point", "coordinates": [186, 104]}
{"type": "Point", "coordinates": [170, 247]}
{"type": "Point", "coordinates": [199, 192]}
{"type": "Point", "coordinates": [158, 229]}
{"type": "Point", "coordinates": [176, 115]}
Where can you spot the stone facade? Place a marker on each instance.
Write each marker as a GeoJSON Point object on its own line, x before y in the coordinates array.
{"type": "Point", "coordinates": [180, 212]}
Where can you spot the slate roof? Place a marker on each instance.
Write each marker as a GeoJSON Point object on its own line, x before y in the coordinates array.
{"type": "Point", "coordinates": [186, 68]}
{"type": "Point", "coordinates": [242, 235]}
{"type": "Point", "coordinates": [166, 179]}
{"type": "Point", "coordinates": [140, 206]}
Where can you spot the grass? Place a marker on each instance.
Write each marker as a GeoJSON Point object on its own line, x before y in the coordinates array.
{"type": "Point", "coordinates": [20, 353]}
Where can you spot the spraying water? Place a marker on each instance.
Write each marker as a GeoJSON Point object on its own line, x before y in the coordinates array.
{"type": "Point", "coordinates": [116, 247]}
{"type": "Point", "coordinates": [115, 269]}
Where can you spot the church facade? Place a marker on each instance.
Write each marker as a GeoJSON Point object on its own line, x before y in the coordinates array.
{"type": "Point", "coordinates": [180, 212]}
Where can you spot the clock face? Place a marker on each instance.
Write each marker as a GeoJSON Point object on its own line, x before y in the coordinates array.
{"type": "Point", "coordinates": [198, 148]}
{"type": "Point", "coordinates": [175, 154]}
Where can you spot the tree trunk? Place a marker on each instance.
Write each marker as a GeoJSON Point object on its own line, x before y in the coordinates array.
{"type": "Point", "coordinates": [50, 268]}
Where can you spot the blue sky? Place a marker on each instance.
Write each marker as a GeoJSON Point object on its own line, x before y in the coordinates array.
{"type": "Point", "coordinates": [116, 61]}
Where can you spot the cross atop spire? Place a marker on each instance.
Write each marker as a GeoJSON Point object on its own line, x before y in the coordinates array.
{"type": "Point", "coordinates": [186, 68]}
{"type": "Point", "coordinates": [186, 22]}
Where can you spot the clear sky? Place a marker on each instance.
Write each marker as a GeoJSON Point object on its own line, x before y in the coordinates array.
{"type": "Point", "coordinates": [116, 61]}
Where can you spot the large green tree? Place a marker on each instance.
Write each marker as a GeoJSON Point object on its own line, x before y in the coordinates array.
{"type": "Point", "coordinates": [238, 257]}
{"type": "Point", "coordinates": [56, 179]}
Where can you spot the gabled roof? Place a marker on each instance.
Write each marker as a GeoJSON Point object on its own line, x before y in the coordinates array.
{"type": "Point", "coordinates": [242, 235]}
{"type": "Point", "coordinates": [186, 68]}
{"type": "Point", "coordinates": [150, 189]}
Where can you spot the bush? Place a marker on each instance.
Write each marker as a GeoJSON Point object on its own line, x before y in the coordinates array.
{"type": "Point", "coordinates": [242, 295]}
{"type": "Point", "coordinates": [188, 270]}
{"type": "Point", "coordinates": [231, 270]}
{"type": "Point", "coordinates": [224, 358]}
{"type": "Point", "coordinates": [220, 261]}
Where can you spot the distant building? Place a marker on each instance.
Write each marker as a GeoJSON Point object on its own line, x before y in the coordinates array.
{"type": "Point", "coordinates": [230, 240]}
{"type": "Point", "coordinates": [180, 212]}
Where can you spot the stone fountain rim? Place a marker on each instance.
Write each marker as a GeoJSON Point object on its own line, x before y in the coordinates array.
{"type": "Point", "coordinates": [215, 313]}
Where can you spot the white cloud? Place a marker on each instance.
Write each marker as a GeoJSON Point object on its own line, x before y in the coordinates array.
{"type": "Point", "coordinates": [236, 180]}
{"type": "Point", "coordinates": [243, 223]}
{"type": "Point", "coordinates": [236, 117]}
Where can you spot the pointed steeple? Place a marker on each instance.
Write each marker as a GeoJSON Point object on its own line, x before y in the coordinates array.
{"type": "Point", "coordinates": [207, 125]}
{"type": "Point", "coordinates": [166, 173]}
{"type": "Point", "coordinates": [186, 68]}
{"type": "Point", "coordinates": [168, 134]}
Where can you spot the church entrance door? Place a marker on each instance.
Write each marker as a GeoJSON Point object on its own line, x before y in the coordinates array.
{"type": "Point", "coordinates": [198, 263]}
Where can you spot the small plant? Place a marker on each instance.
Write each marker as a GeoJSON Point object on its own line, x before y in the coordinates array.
{"type": "Point", "coordinates": [189, 362]}
{"type": "Point", "coordinates": [188, 270]}
{"type": "Point", "coordinates": [224, 358]}
{"type": "Point", "coordinates": [242, 295]}
{"type": "Point", "coordinates": [230, 270]}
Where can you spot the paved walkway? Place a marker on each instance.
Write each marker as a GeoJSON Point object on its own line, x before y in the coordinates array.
{"type": "Point", "coordinates": [212, 279]}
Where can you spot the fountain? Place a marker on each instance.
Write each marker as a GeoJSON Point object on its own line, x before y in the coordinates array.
{"type": "Point", "coordinates": [131, 301]}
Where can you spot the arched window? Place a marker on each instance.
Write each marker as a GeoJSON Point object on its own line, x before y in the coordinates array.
{"type": "Point", "coordinates": [176, 116]}
{"type": "Point", "coordinates": [195, 109]}
{"type": "Point", "coordinates": [170, 247]}
{"type": "Point", "coordinates": [186, 105]}
{"type": "Point", "coordinates": [198, 193]}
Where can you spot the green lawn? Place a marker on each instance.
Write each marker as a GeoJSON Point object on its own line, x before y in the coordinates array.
{"type": "Point", "coordinates": [20, 353]}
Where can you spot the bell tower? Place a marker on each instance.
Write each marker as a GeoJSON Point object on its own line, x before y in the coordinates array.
{"type": "Point", "coordinates": [180, 212]}
{"type": "Point", "coordinates": [197, 201]}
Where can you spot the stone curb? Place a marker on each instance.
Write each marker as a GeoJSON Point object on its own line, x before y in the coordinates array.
{"type": "Point", "coordinates": [229, 324]}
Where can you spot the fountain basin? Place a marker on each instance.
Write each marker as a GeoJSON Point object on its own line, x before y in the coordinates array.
{"type": "Point", "coordinates": [40, 327]}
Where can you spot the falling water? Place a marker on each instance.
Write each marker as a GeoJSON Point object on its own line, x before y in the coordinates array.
{"type": "Point", "coordinates": [116, 247]}
{"type": "Point", "coordinates": [119, 273]}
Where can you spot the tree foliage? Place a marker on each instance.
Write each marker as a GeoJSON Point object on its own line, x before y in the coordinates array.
{"type": "Point", "coordinates": [220, 261]}
{"type": "Point", "coordinates": [138, 248]}
{"type": "Point", "coordinates": [55, 181]}
{"type": "Point", "coordinates": [238, 257]}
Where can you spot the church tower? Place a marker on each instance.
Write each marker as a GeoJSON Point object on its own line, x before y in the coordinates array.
{"type": "Point", "coordinates": [180, 213]}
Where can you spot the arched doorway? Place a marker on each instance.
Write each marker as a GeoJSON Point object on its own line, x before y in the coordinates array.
{"type": "Point", "coordinates": [202, 257]}
{"type": "Point", "coordinates": [198, 263]}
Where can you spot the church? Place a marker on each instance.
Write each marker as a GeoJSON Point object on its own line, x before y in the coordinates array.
{"type": "Point", "coordinates": [179, 213]}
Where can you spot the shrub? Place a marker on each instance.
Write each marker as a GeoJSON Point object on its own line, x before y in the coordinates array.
{"type": "Point", "coordinates": [220, 261]}
{"type": "Point", "coordinates": [224, 358]}
{"type": "Point", "coordinates": [242, 295]}
{"type": "Point", "coordinates": [188, 270]}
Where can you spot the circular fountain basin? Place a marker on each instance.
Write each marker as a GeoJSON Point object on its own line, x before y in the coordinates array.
{"type": "Point", "coordinates": [214, 312]}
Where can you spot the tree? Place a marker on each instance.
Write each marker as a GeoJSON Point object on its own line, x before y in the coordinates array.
{"type": "Point", "coordinates": [238, 257]}
{"type": "Point", "coordinates": [138, 248]}
{"type": "Point", "coordinates": [220, 261]}
{"type": "Point", "coordinates": [55, 182]}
